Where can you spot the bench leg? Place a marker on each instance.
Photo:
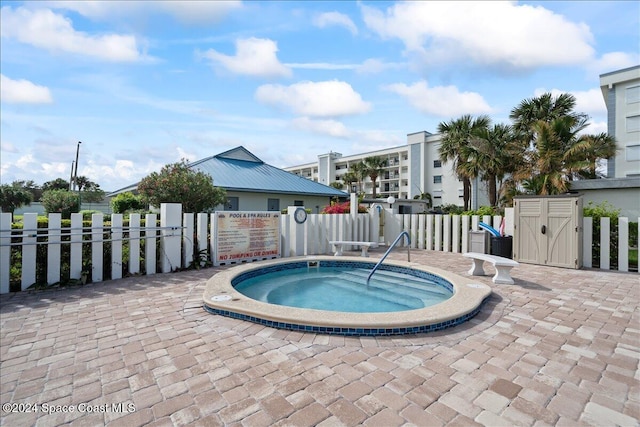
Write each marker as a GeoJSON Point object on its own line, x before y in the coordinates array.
{"type": "Point", "coordinates": [503, 276]}
{"type": "Point", "coordinates": [476, 267]}
{"type": "Point", "coordinates": [338, 250]}
{"type": "Point", "coordinates": [365, 251]}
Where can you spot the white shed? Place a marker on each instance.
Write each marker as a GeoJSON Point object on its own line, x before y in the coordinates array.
{"type": "Point", "coordinates": [548, 230]}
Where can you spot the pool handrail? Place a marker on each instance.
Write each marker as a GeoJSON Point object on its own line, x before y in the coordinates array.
{"type": "Point", "coordinates": [404, 233]}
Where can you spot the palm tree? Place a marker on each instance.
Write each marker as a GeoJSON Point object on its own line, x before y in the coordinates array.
{"type": "Point", "coordinates": [545, 107]}
{"type": "Point", "coordinates": [550, 146]}
{"type": "Point", "coordinates": [456, 136]}
{"type": "Point", "coordinates": [375, 166]}
{"type": "Point", "coordinates": [349, 178]}
{"type": "Point", "coordinates": [589, 149]}
{"type": "Point", "coordinates": [360, 171]}
{"type": "Point", "coordinates": [488, 156]}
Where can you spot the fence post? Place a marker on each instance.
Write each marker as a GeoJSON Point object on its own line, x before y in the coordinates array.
{"type": "Point", "coordinates": [623, 244]}
{"type": "Point", "coordinates": [605, 239]}
{"type": "Point", "coordinates": [150, 244]}
{"type": "Point", "coordinates": [75, 251]}
{"type": "Point", "coordinates": [187, 239]}
{"type": "Point", "coordinates": [170, 221]}
{"type": "Point", "coordinates": [53, 248]}
{"type": "Point", "coordinates": [116, 246]}
{"type": "Point", "coordinates": [438, 238]}
{"type": "Point", "coordinates": [455, 239]}
{"type": "Point", "coordinates": [429, 219]}
{"type": "Point", "coordinates": [421, 219]}
{"type": "Point", "coordinates": [202, 227]}
{"type": "Point", "coordinates": [134, 243]}
{"type": "Point", "coordinates": [5, 252]}
{"type": "Point", "coordinates": [587, 242]}
{"type": "Point", "coordinates": [465, 233]}
{"type": "Point", "coordinates": [446, 233]}
{"type": "Point", "coordinates": [30, 223]}
{"type": "Point", "coordinates": [97, 247]}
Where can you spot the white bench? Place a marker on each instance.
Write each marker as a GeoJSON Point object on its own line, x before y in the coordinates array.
{"type": "Point", "coordinates": [503, 266]}
{"type": "Point", "coordinates": [363, 245]}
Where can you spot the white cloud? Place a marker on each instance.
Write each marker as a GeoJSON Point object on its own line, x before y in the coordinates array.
{"type": "Point", "coordinates": [317, 99]}
{"type": "Point", "coordinates": [332, 128]}
{"type": "Point", "coordinates": [47, 30]}
{"type": "Point", "coordinates": [613, 61]}
{"type": "Point", "coordinates": [443, 101]}
{"type": "Point", "coordinates": [7, 147]}
{"type": "Point", "coordinates": [374, 66]}
{"type": "Point", "coordinates": [335, 18]}
{"type": "Point", "coordinates": [589, 101]}
{"type": "Point", "coordinates": [185, 11]}
{"type": "Point", "coordinates": [23, 92]}
{"type": "Point", "coordinates": [595, 128]}
{"type": "Point", "coordinates": [487, 33]}
{"type": "Point", "coordinates": [254, 57]}
{"type": "Point", "coordinates": [322, 66]}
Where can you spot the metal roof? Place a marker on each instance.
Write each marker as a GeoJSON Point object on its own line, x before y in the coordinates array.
{"type": "Point", "coordinates": [240, 170]}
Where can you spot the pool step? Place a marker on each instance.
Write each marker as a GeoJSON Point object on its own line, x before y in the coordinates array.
{"type": "Point", "coordinates": [393, 280]}
{"type": "Point", "coordinates": [396, 289]}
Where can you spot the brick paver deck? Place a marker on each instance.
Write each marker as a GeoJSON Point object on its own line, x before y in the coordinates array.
{"type": "Point", "coordinates": [559, 347]}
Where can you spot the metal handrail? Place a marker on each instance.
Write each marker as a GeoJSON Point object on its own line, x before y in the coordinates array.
{"type": "Point", "coordinates": [404, 233]}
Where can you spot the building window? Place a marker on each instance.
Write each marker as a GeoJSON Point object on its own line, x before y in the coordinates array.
{"type": "Point", "coordinates": [437, 164]}
{"type": "Point", "coordinates": [633, 94]}
{"type": "Point", "coordinates": [633, 124]}
{"type": "Point", "coordinates": [437, 179]}
{"type": "Point", "coordinates": [632, 153]}
{"type": "Point", "coordinates": [233, 204]}
{"type": "Point", "coordinates": [298, 203]}
{"type": "Point", "coordinates": [273, 204]}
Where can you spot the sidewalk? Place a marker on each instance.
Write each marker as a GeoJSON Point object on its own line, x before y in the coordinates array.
{"type": "Point", "coordinates": [559, 347]}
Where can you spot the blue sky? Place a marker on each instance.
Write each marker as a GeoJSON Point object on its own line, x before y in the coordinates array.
{"type": "Point", "coordinates": [144, 84]}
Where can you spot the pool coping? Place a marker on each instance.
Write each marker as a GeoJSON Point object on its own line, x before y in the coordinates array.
{"type": "Point", "coordinates": [221, 298]}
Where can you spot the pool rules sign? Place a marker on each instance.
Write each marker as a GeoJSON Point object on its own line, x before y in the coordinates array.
{"type": "Point", "coordinates": [245, 236]}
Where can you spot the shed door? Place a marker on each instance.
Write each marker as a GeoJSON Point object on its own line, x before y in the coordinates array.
{"type": "Point", "coordinates": [560, 249]}
{"type": "Point", "coordinates": [527, 244]}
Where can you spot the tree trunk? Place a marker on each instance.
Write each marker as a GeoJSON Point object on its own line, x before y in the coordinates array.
{"type": "Point", "coordinates": [493, 198]}
{"type": "Point", "coordinates": [466, 193]}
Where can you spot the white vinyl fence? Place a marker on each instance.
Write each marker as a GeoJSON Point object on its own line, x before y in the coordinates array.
{"type": "Point", "coordinates": [182, 241]}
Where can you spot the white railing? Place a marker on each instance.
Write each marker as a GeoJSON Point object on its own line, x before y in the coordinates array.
{"type": "Point", "coordinates": [181, 240]}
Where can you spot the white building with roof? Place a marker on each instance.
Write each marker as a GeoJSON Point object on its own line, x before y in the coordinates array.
{"type": "Point", "coordinates": [253, 185]}
{"type": "Point", "coordinates": [621, 92]}
{"type": "Point", "coordinates": [412, 169]}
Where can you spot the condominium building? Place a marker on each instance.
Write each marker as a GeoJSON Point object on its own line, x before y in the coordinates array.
{"type": "Point", "coordinates": [411, 170]}
{"type": "Point", "coordinates": [621, 92]}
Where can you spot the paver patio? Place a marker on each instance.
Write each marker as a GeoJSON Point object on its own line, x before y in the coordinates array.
{"type": "Point", "coordinates": [559, 347]}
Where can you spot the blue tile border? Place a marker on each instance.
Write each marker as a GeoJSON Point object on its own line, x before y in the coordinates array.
{"type": "Point", "coordinates": [336, 330]}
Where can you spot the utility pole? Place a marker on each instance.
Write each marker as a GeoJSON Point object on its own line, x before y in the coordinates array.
{"type": "Point", "coordinates": [71, 177]}
{"type": "Point", "coordinates": [75, 174]}
{"type": "Point", "coordinates": [75, 178]}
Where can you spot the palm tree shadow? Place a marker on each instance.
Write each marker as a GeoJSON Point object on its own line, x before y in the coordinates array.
{"type": "Point", "coordinates": [529, 285]}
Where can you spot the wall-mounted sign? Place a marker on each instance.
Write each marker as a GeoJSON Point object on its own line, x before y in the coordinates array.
{"type": "Point", "coordinates": [246, 236]}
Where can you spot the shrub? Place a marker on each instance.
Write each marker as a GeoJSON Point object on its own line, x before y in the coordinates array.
{"type": "Point", "coordinates": [60, 201]}
{"type": "Point", "coordinates": [482, 211]}
{"type": "Point", "coordinates": [127, 202]}
{"type": "Point", "coordinates": [603, 210]}
{"type": "Point", "coordinates": [177, 183]}
{"type": "Point", "coordinates": [342, 208]}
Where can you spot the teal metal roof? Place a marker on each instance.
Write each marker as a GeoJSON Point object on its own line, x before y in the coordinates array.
{"type": "Point", "coordinates": [239, 170]}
